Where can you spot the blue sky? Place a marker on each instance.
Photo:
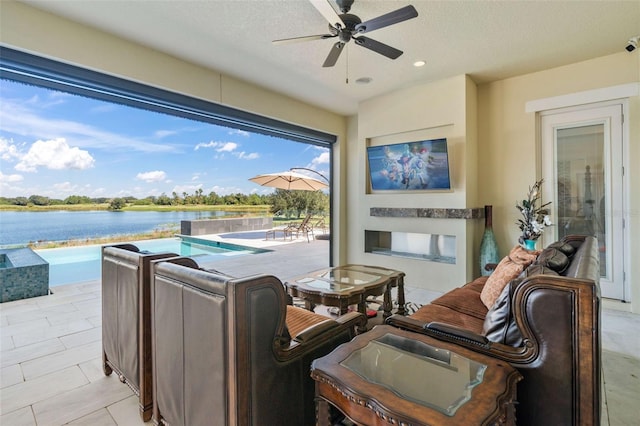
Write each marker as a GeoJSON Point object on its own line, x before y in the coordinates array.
{"type": "Point", "coordinates": [56, 144]}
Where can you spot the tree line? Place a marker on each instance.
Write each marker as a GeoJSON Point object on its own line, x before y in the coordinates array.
{"type": "Point", "coordinates": [282, 202]}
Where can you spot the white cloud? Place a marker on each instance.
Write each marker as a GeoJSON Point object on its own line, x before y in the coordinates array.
{"type": "Point", "coordinates": [225, 190]}
{"type": "Point", "coordinates": [54, 154]}
{"type": "Point", "coordinates": [189, 189]}
{"type": "Point", "coordinates": [323, 158]}
{"type": "Point", "coordinates": [68, 187]}
{"type": "Point", "coordinates": [8, 150]}
{"type": "Point", "coordinates": [154, 176]}
{"type": "Point", "coordinates": [239, 132]}
{"type": "Point", "coordinates": [244, 156]}
{"type": "Point", "coordinates": [228, 147]}
{"type": "Point", "coordinates": [10, 178]}
{"type": "Point", "coordinates": [218, 146]}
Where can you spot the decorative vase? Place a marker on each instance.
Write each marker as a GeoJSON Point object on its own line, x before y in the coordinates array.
{"type": "Point", "coordinates": [530, 244]}
{"type": "Point", "coordinates": [489, 246]}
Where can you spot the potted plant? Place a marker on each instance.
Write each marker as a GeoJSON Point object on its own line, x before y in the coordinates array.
{"type": "Point", "coordinates": [535, 216]}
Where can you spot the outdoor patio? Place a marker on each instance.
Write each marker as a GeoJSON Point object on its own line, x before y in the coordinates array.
{"type": "Point", "coordinates": [52, 366]}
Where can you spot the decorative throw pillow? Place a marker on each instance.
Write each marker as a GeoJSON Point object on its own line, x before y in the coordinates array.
{"type": "Point", "coordinates": [509, 268]}
{"type": "Point", "coordinates": [500, 324]}
{"type": "Point", "coordinates": [566, 248]}
{"type": "Point", "coordinates": [554, 259]}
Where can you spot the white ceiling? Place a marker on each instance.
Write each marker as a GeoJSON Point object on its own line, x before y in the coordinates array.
{"type": "Point", "coordinates": [488, 40]}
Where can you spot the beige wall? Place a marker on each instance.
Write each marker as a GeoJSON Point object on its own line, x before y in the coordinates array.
{"type": "Point", "coordinates": [446, 108]}
{"type": "Point", "coordinates": [508, 148]}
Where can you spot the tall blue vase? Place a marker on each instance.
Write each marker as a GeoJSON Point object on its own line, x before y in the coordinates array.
{"type": "Point", "coordinates": [489, 246]}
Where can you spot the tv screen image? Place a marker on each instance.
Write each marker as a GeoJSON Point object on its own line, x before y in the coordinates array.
{"type": "Point", "coordinates": [422, 165]}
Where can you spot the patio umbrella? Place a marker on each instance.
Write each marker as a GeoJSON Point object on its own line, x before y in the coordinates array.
{"type": "Point", "coordinates": [289, 180]}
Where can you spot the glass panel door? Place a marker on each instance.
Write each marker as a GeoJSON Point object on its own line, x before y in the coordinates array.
{"type": "Point", "coordinates": [582, 168]}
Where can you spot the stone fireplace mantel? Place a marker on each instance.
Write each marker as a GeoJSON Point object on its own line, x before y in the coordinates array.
{"type": "Point", "coordinates": [471, 213]}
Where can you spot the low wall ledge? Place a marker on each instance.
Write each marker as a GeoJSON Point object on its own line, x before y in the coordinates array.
{"type": "Point", "coordinates": [471, 213]}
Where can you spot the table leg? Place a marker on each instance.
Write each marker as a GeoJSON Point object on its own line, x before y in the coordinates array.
{"type": "Point", "coordinates": [309, 306]}
{"type": "Point", "coordinates": [323, 413]}
{"type": "Point", "coordinates": [401, 301]}
{"type": "Point", "coordinates": [362, 308]}
{"type": "Point", "coordinates": [386, 302]}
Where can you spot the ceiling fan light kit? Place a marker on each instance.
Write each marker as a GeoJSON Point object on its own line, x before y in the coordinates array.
{"type": "Point", "coordinates": [347, 27]}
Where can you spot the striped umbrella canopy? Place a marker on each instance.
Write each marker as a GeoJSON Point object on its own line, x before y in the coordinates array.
{"type": "Point", "coordinates": [289, 180]}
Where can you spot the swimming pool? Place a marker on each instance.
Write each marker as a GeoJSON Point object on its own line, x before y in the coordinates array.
{"type": "Point", "coordinates": [83, 263]}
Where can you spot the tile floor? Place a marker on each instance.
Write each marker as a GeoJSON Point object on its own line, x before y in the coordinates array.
{"type": "Point", "coordinates": [51, 367]}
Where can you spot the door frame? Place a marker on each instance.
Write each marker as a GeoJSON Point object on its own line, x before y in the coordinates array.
{"type": "Point", "coordinates": [624, 179]}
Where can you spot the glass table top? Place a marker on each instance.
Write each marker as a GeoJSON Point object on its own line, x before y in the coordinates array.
{"type": "Point", "coordinates": [346, 276]}
{"type": "Point", "coordinates": [433, 377]}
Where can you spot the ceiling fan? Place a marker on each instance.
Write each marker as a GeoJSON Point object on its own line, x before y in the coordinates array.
{"type": "Point", "coordinates": [347, 26]}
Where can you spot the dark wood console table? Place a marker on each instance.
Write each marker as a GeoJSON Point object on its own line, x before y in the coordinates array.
{"type": "Point", "coordinates": [392, 376]}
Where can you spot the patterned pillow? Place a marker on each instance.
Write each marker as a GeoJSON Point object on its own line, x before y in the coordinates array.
{"type": "Point", "coordinates": [509, 268]}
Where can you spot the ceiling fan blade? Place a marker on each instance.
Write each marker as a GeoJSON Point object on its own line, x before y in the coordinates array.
{"type": "Point", "coordinates": [402, 14]}
{"type": "Point", "coordinates": [305, 38]}
{"type": "Point", "coordinates": [329, 13]}
{"type": "Point", "coordinates": [376, 46]}
{"type": "Point", "coordinates": [334, 54]}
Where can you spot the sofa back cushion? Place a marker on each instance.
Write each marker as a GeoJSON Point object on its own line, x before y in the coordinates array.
{"type": "Point", "coordinates": [509, 267]}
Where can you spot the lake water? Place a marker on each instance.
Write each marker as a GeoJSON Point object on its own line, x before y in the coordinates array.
{"type": "Point", "coordinates": [19, 228]}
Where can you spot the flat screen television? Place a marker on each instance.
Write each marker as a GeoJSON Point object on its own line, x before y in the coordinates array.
{"type": "Point", "coordinates": [410, 166]}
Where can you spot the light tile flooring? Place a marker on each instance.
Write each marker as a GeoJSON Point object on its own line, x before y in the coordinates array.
{"type": "Point", "coordinates": [51, 369]}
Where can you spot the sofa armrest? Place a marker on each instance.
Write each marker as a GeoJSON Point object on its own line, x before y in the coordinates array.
{"type": "Point", "coordinates": [312, 332]}
{"type": "Point", "coordinates": [457, 333]}
{"type": "Point", "coordinates": [352, 320]}
{"type": "Point", "coordinates": [348, 321]}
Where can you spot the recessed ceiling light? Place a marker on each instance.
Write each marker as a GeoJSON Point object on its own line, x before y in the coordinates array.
{"type": "Point", "coordinates": [364, 80]}
{"type": "Point", "coordinates": [419, 63]}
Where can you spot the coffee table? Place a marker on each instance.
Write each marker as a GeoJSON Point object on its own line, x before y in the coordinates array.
{"type": "Point", "coordinates": [346, 285]}
{"type": "Point", "coordinates": [392, 376]}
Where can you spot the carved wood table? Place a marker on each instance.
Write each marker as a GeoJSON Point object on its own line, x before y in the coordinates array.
{"type": "Point", "coordinates": [389, 376]}
{"type": "Point", "coordinates": [346, 285]}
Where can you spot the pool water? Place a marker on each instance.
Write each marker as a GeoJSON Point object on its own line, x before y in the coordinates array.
{"type": "Point", "coordinates": [83, 263]}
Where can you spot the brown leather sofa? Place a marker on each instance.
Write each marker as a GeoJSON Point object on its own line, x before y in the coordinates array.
{"type": "Point", "coordinates": [545, 323]}
{"type": "Point", "coordinates": [126, 318]}
{"type": "Point", "coordinates": [232, 351]}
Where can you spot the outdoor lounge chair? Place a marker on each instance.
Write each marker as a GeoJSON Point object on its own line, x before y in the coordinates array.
{"type": "Point", "coordinates": [302, 227]}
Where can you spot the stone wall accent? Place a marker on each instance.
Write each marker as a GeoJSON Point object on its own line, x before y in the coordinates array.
{"type": "Point", "coordinates": [222, 226]}
{"type": "Point", "coordinates": [472, 213]}
{"type": "Point", "coordinates": [23, 274]}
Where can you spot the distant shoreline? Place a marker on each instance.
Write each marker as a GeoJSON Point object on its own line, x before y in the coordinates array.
{"type": "Point", "coordinates": [254, 210]}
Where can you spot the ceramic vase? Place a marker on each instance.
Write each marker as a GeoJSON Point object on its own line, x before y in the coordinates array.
{"type": "Point", "coordinates": [530, 244]}
{"type": "Point", "coordinates": [489, 246]}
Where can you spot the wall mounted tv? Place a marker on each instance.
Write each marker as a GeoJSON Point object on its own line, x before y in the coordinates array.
{"type": "Point", "coordinates": [410, 166]}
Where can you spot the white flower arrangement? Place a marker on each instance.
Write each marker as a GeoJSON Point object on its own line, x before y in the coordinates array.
{"type": "Point", "coordinates": [535, 218]}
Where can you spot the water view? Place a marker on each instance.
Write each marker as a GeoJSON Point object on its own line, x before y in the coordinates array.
{"type": "Point", "coordinates": [83, 263]}
{"type": "Point", "coordinates": [21, 228]}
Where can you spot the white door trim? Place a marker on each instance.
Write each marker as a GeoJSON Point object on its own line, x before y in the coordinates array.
{"type": "Point", "coordinates": [622, 159]}
{"type": "Point", "coordinates": [621, 91]}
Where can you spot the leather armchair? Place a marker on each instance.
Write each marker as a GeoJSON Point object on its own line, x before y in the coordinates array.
{"type": "Point", "coordinates": [231, 351]}
{"type": "Point", "coordinates": [126, 318]}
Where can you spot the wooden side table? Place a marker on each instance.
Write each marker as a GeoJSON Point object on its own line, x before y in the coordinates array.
{"type": "Point", "coordinates": [392, 376]}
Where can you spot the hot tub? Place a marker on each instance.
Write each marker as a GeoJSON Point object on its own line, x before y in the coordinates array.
{"type": "Point", "coordinates": [23, 274]}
